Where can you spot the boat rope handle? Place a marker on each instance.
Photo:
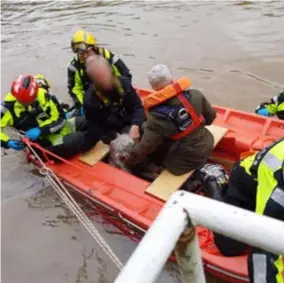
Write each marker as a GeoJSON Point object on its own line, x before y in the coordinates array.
{"type": "Point", "coordinates": [59, 187]}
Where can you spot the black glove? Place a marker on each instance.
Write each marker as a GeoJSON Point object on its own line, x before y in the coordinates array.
{"type": "Point", "coordinates": [214, 180]}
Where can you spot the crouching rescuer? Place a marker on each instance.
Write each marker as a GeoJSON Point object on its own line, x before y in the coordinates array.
{"type": "Point", "coordinates": [30, 108]}
{"type": "Point", "coordinates": [111, 104]}
{"type": "Point", "coordinates": [256, 183]}
{"type": "Point", "coordinates": [174, 134]}
{"type": "Point", "coordinates": [275, 107]}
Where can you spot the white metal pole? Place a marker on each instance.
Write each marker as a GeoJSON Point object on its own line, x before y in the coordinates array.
{"type": "Point", "coordinates": [148, 259]}
{"type": "Point", "coordinates": [245, 226]}
{"type": "Point", "coordinates": [189, 259]}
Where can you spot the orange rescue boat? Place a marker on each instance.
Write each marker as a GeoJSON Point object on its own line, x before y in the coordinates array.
{"type": "Point", "coordinates": [132, 204]}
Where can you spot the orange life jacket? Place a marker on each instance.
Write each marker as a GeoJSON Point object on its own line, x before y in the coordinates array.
{"type": "Point", "coordinates": [170, 91]}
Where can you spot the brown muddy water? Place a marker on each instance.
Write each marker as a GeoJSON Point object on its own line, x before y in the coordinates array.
{"type": "Point", "coordinates": [231, 50]}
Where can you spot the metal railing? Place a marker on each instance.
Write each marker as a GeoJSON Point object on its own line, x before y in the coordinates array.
{"type": "Point", "coordinates": [176, 222]}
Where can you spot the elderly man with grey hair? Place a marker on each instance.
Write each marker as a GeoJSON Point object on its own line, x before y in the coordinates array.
{"type": "Point", "coordinates": [175, 135]}
{"type": "Point", "coordinates": [159, 77]}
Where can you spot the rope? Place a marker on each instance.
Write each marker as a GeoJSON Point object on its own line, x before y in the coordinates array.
{"type": "Point", "coordinates": [75, 208]}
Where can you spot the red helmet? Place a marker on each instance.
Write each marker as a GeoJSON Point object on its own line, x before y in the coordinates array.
{"type": "Point", "coordinates": [24, 89]}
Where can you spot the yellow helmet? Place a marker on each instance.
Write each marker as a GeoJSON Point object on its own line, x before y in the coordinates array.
{"type": "Point", "coordinates": [42, 81]}
{"type": "Point", "coordinates": [82, 40]}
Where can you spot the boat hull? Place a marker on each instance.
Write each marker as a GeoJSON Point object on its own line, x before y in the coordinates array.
{"type": "Point", "coordinates": [123, 195]}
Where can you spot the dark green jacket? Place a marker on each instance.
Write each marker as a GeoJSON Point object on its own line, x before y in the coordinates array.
{"type": "Point", "coordinates": [179, 157]}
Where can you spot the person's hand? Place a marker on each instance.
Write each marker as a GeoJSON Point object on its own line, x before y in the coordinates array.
{"type": "Point", "coordinates": [134, 133]}
{"type": "Point", "coordinates": [82, 112]}
{"type": "Point", "coordinates": [33, 134]}
{"type": "Point", "coordinates": [68, 114]}
{"type": "Point", "coordinates": [65, 106]}
{"type": "Point", "coordinates": [263, 112]}
{"type": "Point", "coordinates": [15, 144]}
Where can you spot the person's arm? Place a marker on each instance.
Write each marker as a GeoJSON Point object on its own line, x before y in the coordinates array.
{"type": "Point", "coordinates": [96, 124]}
{"type": "Point", "coordinates": [209, 113]}
{"type": "Point", "coordinates": [74, 84]}
{"type": "Point", "coordinates": [133, 105]}
{"type": "Point", "coordinates": [156, 131]}
{"type": "Point", "coordinates": [92, 108]}
{"type": "Point", "coordinates": [6, 120]}
{"type": "Point", "coordinates": [56, 121]}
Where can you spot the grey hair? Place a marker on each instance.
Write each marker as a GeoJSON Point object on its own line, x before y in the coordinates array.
{"type": "Point", "coordinates": [159, 76]}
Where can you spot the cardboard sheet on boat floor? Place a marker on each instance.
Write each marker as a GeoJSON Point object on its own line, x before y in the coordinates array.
{"type": "Point", "coordinates": [97, 153]}
{"type": "Point", "coordinates": [167, 183]}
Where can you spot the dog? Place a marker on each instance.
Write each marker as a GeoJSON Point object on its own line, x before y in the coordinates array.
{"type": "Point", "coordinates": [120, 151]}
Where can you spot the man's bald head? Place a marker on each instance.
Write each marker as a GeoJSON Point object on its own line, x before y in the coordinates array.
{"type": "Point", "coordinates": [99, 71]}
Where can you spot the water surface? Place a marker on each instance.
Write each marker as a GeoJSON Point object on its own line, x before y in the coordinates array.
{"type": "Point", "coordinates": [231, 50]}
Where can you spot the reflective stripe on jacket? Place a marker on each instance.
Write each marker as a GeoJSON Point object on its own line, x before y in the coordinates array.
{"type": "Point", "coordinates": [45, 113]}
{"type": "Point", "coordinates": [267, 168]}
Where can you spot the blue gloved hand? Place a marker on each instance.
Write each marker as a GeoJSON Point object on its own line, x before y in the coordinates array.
{"type": "Point", "coordinates": [33, 134]}
{"type": "Point", "coordinates": [82, 111]}
{"type": "Point", "coordinates": [263, 112]}
{"type": "Point", "coordinates": [68, 114]}
{"type": "Point", "coordinates": [17, 145]}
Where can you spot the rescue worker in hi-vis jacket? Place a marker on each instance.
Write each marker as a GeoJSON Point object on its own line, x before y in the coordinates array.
{"type": "Point", "coordinates": [84, 44]}
{"type": "Point", "coordinates": [30, 108]}
{"type": "Point", "coordinates": [256, 183]}
{"type": "Point", "coordinates": [174, 135]}
{"type": "Point", "coordinates": [111, 103]}
{"type": "Point", "coordinates": [275, 107]}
